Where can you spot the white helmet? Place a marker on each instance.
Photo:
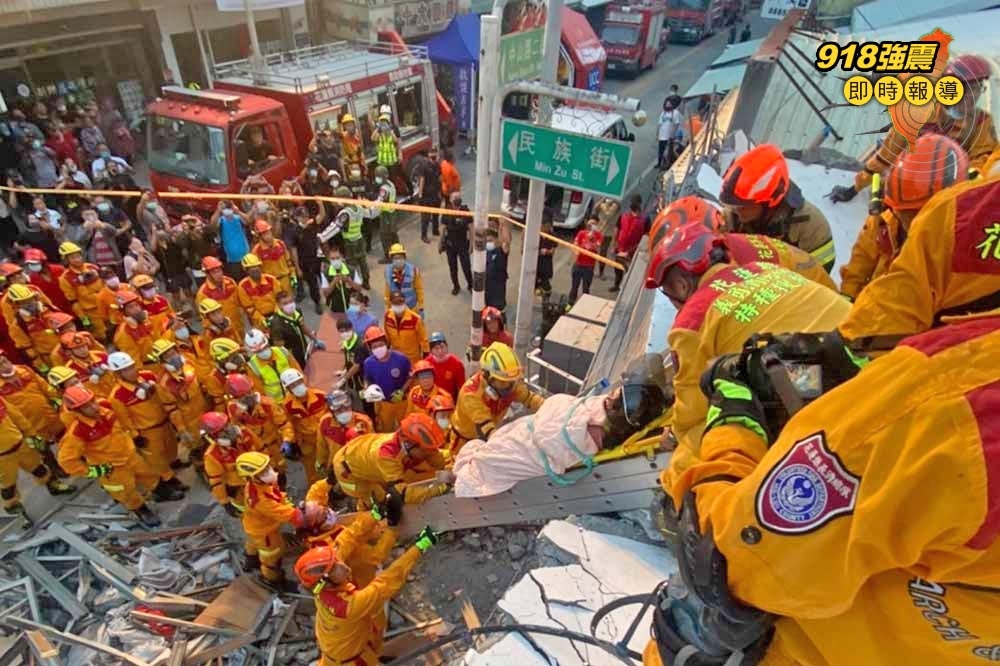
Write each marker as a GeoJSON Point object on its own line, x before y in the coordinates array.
{"type": "Point", "coordinates": [373, 394]}
{"type": "Point", "coordinates": [385, 108]}
{"type": "Point", "coordinates": [119, 361]}
{"type": "Point", "coordinates": [332, 174]}
{"type": "Point", "coordinates": [255, 340]}
{"type": "Point", "coordinates": [290, 376]}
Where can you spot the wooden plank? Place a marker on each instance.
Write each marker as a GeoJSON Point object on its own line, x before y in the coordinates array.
{"type": "Point", "coordinates": [133, 593]}
{"type": "Point", "coordinates": [43, 650]}
{"type": "Point", "coordinates": [94, 555]}
{"type": "Point", "coordinates": [66, 637]}
{"type": "Point", "coordinates": [161, 535]}
{"type": "Point", "coordinates": [191, 627]}
{"type": "Point", "coordinates": [178, 652]}
{"type": "Point", "coordinates": [279, 631]}
{"type": "Point", "coordinates": [59, 592]}
{"type": "Point", "coordinates": [240, 607]}
{"type": "Point", "coordinates": [220, 650]}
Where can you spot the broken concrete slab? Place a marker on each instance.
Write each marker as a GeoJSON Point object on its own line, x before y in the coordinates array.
{"type": "Point", "coordinates": [511, 650]}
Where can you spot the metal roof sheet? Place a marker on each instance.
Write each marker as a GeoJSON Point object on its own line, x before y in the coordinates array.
{"type": "Point", "coordinates": [721, 80]}
{"type": "Point", "coordinates": [736, 53]}
{"type": "Point", "coordinates": [884, 13]}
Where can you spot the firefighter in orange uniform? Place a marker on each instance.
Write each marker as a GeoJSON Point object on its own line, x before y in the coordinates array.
{"type": "Point", "coordinates": [228, 358]}
{"type": "Point", "coordinates": [260, 416]}
{"type": "Point", "coordinates": [19, 450]}
{"type": "Point", "coordinates": [180, 392]}
{"type": "Point", "coordinates": [214, 322]}
{"type": "Point", "coordinates": [337, 428]}
{"type": "Point", "coordinates": [61, 378]}
{"type": "Point", "coordinates": [96, 446]}
{"type": "Point", "coordinates": [13, 274]}
{"type": "Point", "coordinates": [424, 389]}
{"type": "Point", "coordinates": [158, 307]}
{"type": "Point", "coordinates": [351, 616]}
{"type": "Point", "coordinates": [63, 325]}
{"type": "Point", "coordinates": [275, 258]}
{"type": "Point", "coordinates": [29, 330]}
{"type": "Point", "coordinates": [81, 283]}
{"type": "Point", "coordinates": [108, 310]}
{"type": "Point", "coordinates": [226, 442]}
{"type": "Point", "coordinates": [305, 407]}
{"type": "Point", "coordinates": [257, 292]}
{"type": "Point", "coordinates": [222, 289]}
{"type": "Point", "coordinates": [33, 398]}
{"type": "Point", "coordinates": [405, 329]}
{"type": "Point", "coordinates": [192, 346]}
{"type": "Point", "coordinates": [137, 333]}
{"type": "Point", "coordinates": [376, 463]}
{"type": "Point", "coordinates": [936, 163]}
{"type": "Point", "coordinates": [488, 394]}
{"type": "Point", "coordinates": [140, 411]}
{"type": "Point", "coordinates": [89, 364]}
{"type": "Point", "coordinates": [835, 492]}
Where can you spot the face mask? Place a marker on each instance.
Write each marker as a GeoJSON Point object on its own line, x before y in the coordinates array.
{"type": "Point", "coordinates": [235, 362]}
{"type": "Point", "coordinates": [227, 212]}
{"type": "Point", "coordinates": [265, 354]}
{"type": "Point", "coordinates": [399, 263]}
{"type": "Point", "coordinates": [354, 309]}
{"type": "Point", "coordinates": [379, 180]}
{"type": "Point", "coordinates": [490, 246]}
{"type": "Point", "coordinates": [262, 207]}
{"type": "Point", "coordinates": [334, 183]}
{"type": "Point", "coordinates": [380, 352]}
{"type": "Point", "coordinates": [443, 422]}
{"type": "Point", "coordinates": [174, 364]}
{"type": "Point", "coordinates": [34, 268]}
{"type": "Point", "coordinates": [592, 227]}
{"type": "Point", "coordinates": [36, 144]}
{"type": "Point", "coordinates": [288, 308]}
{"type": "Point", "coordinates": [398, 310]}
{"type": "Point", "coordinates": [151, 207]}
{"type": "Point", "coordinates": [104, 206]}
{"type": "Point", "coordinates": [343, 418]}
{"type": "Point", "coordinates": [106, 155]}
{"type": "Point", "coordinates": [313, 173]}
{"type": "Point", "coordinates": [299, 391]}
{"type": "Point", "coordinates": [113, 283]}
{"type": "Point", "coordinates": [9, 373]}
{"type": "Point", "coordinates": [383, 126]}
{"type": "Point", "coordinates": [336, 264]}
{"type": "Point", "coordinates": [182, 333]}
{"type": "Point", "coordinates": [269, 477]}
{"type": "Point", "coordinates": [346, 335]}
{"type": "Point", "coordinates": [147, 293]}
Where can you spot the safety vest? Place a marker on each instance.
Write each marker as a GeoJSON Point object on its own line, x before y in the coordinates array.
{"type": "Point", "coordinates": [270, 376]}
{"type": "Point", "coordinates": [390, 195]}
{"type": "Point", "coordinates": [409, 293]}
{"type": "Point", "coordinates": [332, 272]}
{"type": "Point", "coordinates": [385, 150]}
{"type": "Point", "coordinates": [354, 221]}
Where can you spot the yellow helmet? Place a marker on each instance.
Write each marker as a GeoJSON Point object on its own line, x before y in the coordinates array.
{"type": "Point", "coordinates": [67, 248]}
{"type": "Point", "coordinates": [250, 260]}
{"type": "Point", "coordinates": [252, 463]}
{"type": "Point", "coordinates": [208, 306]}
{"type": "Point", "coordinates": [161, 347]}
{"type": "Point", "coordinates": [397, 248]}
{"type": "Point", "coordinates": [499, 361]}
{"type": "Point", "coordinates": [223, 348]}
{"type": "Point", "coordinates": [20, 292]}
{"type": "Point", "coordinates": [348, 118]}
{"type": "Point", "coordinates": [60, 374]}
{"type": "Point", "coordinates": [141, 280]}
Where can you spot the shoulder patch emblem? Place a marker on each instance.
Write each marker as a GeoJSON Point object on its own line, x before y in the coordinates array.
{"type": "Point", "coordinates": [808, 488]}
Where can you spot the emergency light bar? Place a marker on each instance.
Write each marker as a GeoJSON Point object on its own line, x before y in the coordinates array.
{"type": "Point", "coordinates": [624, 15]}
{"type": "Point", "coordinates": [203, 97]}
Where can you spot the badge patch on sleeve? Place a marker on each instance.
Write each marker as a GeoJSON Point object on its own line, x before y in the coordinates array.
{"type": "Point", "coordinates": [806, 490]}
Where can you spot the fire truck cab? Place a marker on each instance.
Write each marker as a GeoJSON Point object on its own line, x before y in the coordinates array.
{"type": "Point", "coordinates": [631, 36]}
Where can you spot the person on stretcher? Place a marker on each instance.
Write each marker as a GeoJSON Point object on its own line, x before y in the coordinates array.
{"type": "Point", "coordinates": [567, 431]}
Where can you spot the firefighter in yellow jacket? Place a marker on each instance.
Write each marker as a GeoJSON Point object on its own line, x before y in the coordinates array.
{"type": "Point", "coordinates": [274, 257]}
{"type": "Point", "coordinates": [192, 346]}
{"type": "Point", "coordinates": [215, 323]}
{"type": "Point", "coordinates": [223, 290]}
{"type": "Point", "coordinates": [338, 427]}
{"type": "Point", "coordinates": [180, 393]}
{"type": "Point", "coordinates": [262, 417]}
{"type": "Point", "coordinates": [373, 464]}
{"type": "Point", "coordinates": [424, 390]}
{"type": "Point", "coordinates": [14, 274]}
{"type": "Point", "coordinates": [305, 408]}
{"type": "Point", "coordinates": [96, 446]}
{"type": "Point", "coordinates": [226, 442]}
{"type": "Point", "coordinates": [140, 411]}
{"type": "Point", "coordinates": [81, 283]}
{"type": "Point", "coordinates": [33, 398]}
{"type": "Point", "coordinates": [87, 363]}
{"type": "Point", "coordinates": [719, 305]}
{"type": "Point", "coordinates": [350, 616]}
{"type": "Point", "coordinates": [258, 291]}
{"type": "Point", "coordinates": [137, 332]}
{"type": "Point", "coordinates": [228, 358]}
{"type": "Point", "coordinates": [19, 450]}
{"type": "Point", "coordinates": [935, 163]}
{"type": "Point", "coordinates": [816, 529]}
{"type": "Point", "coordinates": [28, 330]}
{"type": "Point", "coordinates": [405, 330]}
{"type": "Point", "coordinates": [949, 265]}
{"type": "Point", "coordinates": [485, 398]}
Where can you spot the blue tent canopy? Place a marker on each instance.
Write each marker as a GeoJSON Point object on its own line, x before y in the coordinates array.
{"type": "Point", "coordinates": [458, 44]}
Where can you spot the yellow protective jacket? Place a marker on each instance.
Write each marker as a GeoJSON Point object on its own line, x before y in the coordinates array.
{"type": "Point", "coordinates": [350, 620]}
{"type": "Point", "coordinates": [378, 458]}
{"type": "Point", "coordinates": [834, 501]}
{"type": "Point", "coordinates": [81, 287]}
{"type": "Point", "coordinates": [60, 356]}
{"type": "Point", "coordinates": [33, 336]}
{"type": "Point", "coordinates": [137, 340]}
{"type": "Point", "coordinates": [35, 399]}
{"type": "Point", "coordinates": [183, 400]}
{"type": "Point", "coordinates": [805, 227]}
{"type": "Point", "coordinates": [268, 508]}
{"type": "Point", "coordinates": [95, 366]}
{"type": "Point", "coordinates": [13, 427]}
{"type": "Point", "coordinates": [227, 296]}
{"type": "Point", "coordinates": [259, 299]}
{"type": "Point", "coordinates": [304, 414]}
{"type": "Point", "coordinates": [407, 334]}
{"type": "Point", "coordinates": [730, 305]}
{"type": "Point", "coordinates": [10, 310]}
{"type": "Point", "coordinates": [978, 141]}
{"type": "Point", "coordinates": [137, 413]}
{"type": "Point", "coordinates": [195, 351]}
{"type": "Point", "coordinates": [419, 400]}
{"type": "Point", "coordinates": [878, 243]}
{"type": "Point", "coordinates": [268, 421]}
{"type": "Point", "coordinates": [220, 467]}
{"type": "Point", "coordinates": [949, 265]}
{"type": "Point", "coordinates": [744, 248]}
{"type": "Point", "coordinates": [477, 415]}
{"type": "Point", "coordinates": [94, 441]}
{"type": "Point", "coordinates": [275, 260]}
{"type": "Point", "coordinates": [331, 436]}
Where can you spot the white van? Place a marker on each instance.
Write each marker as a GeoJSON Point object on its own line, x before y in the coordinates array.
{"type": "Point", "coordinates": [569, 208]}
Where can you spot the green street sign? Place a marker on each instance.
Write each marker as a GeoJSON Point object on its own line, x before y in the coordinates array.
{"type": "Point", "coordinates": [576, 161]}
{"type": "Point", "coordinates": [521, 55]}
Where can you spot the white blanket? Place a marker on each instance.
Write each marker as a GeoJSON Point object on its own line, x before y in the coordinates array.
{"type": "Point", "coordinates": [513, 452]}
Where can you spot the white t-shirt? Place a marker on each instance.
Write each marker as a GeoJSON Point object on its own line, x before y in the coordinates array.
{"type": "Point", "coordinates": [100, 166]}
{"type": "Point", "coordinates": [669, 122]}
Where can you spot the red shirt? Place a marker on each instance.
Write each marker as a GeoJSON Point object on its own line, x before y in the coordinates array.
{"type": "Point", "coordinates": [631, 228]}
{"type": "Point", "coordinates": [66, 147]}
{"type": "Point", "coordinates": [503, 335]}
{"type": "Point", "coordinates": [50, 286]}
{"type": "Point", "coordinates": [449, 374]}
{"type": "Point", "coordinates": [588, 240]}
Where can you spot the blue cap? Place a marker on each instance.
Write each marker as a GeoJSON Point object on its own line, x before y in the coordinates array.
{"type": "Point", "coordinates": [436, 337]}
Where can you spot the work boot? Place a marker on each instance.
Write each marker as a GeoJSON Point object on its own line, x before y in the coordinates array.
{"type": "Point", "coordinates": [251, 562]}
{"type": "Point", "coordinates": [177, 463]}
{"type": "Point", "coordinates": [164, 492]}
{"type": "Point", "coordinates": [146, 517]}
{"type": "Point", "coordinates": [57, 487]}
{"type": "Point", "coordinates": [455, 290]}
{"type": "Point", "coordinates": [177, 484]}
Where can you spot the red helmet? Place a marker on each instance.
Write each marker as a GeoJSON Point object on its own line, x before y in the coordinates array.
{"type": "Point", "coordinates": [315, 564]}
{"type": "Point", "coordinates": [490, 312]}
{"type": "Point", "coordinates": [969, 68]}
{"type": "Point", "coordinates": [421, 366]}
{"type": "Point", "coordinates": [238, 386]}
{"type": "Point", "coordinates": [77, 396]}
{"type": "Point", "coordinates": [758, 176]}
{"type": "Point", "coordinates": [126, 296]}
{"type": "Point", "coordinates": [210, 263]}
{"type": "Point", "coordinates": [56, 320]}
{"type": "Point", "coordinates": [374, 333]}
{"type": "Point", "coordinates": [441, 403]}
{"type": "Point", "coordinates": [34, 255]}
{"type": "Point", "coordinates": [422, 430]}
{"type": "Point", "coordinates": [936, 162]}
{"type": "Point", "coordinates": [7, 269]}
{"type": "Point", "coordinates": [681, 212]}
{"type": "Point", "coordinates": [212, 423]}
{"type": "Point", "coordinates": [74, 340]}
{"type": "Point", "coordinates": [690, 248]}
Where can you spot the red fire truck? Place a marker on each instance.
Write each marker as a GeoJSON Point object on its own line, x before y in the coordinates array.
{"type": "Point", "coordinates": [200, 141]}
{"type": "Point", "coordinates": [631, 36]}
{"type": "Point", "coordinates": [693, 20]}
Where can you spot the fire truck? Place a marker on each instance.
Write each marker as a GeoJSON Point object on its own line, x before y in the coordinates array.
{"type": "Point", "coordinates": [693, 20]}
{"type": "Point", "coordinates": [204, 140]}
{"type": "Point", "coordinates": [631, 36]}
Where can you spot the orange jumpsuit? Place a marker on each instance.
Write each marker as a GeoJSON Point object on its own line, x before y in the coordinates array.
{"type": "Point", "coordinates": [259, 299]}
{"type": "Point", "coordinates": [160, 311]}
{"type": "Point", "coordinates": [418, 400]}
{"type": "Point", "coordinates": [477, 415]}
{"type": "Point", "coordinates": [878, 243]}
{"type": "Point", "coordinates": [267, 509]}
{"type": "Point", "coordinates": [376, 461]}
{"type": "Point", "coordinates": [212, 332]}
{"type": "Point", "coordinates": [108, 309]}
{"type": "Point", "coordinates": [350, 620]}
{"type": "Point", "coordinates": [730, 305]}
{"type": "Point", "coordinates": [16, 454]}
{"type": "Point", "coordinates": [744, 248]}
{"type": "Point", "coordinates": [184, 402]}
{"type": "Point", "coordinates": [137, 340]}
{"type": "Point", "coordinates": [227, 297]}
{"type": "Point", "coordinates": [214, 387]}
{"type": "Point", "coordinates": [34, 338]}
{"type": "Point", "coordinates": [81, 287]}
{"type": "Point", "coordinates": [269, 423]}
{"type": "Point", "coordinates": [35, 400]}
{"type": "Point", "coordinates": [364, 545]}
{"type": "Point", "coordinates": [305, 414]}
{"type": "Point", "coordinates": [146, 417]}
{"type": "Point", "coordinates": [407, 334]}
{"type": "Point", "coordinates": [100, 440]}
{"type": "Point", "coordinates": [878, 507]}
{"type": "Point", "coordinates": [331, 436]}
{"type": "Point", "coordinates": [195, 351]}
{"type": "Point", "coordinates": [10, 310]}
{"type": "Point", "coordinates": [220, 469]}
{"type": "Point", "coordinates": [276, 260]}
{"type": "Point", "coordinates": [94, 373]}
{"type": "Point", "coordinates": [949, 265]}
{"type": "Point", "coordinates": [60, 356]}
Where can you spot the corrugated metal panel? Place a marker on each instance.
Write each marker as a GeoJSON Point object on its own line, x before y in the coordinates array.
{"type": "Point", "coordinates": [737, 53]}
{"type": "Point", "coordinates": [722, 80]}
{"type": "Point", "coordinates": [885, 13]}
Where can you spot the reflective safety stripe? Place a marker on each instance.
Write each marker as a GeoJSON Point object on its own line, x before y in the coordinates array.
{"type": "Point", "coordinates": [825, 253]}
{"type": "Point", "coordinates": [348, 486]}
{"type": "Point", "coordinates": [270, 376]}
{"type": "Point", "coordinates": [354, 223]}
{"type": "Point", "coordinates": [385, 150]}
{"type": "Point", "coordinates": [112, 488]}
{"type": "Point", "coordinates": [267, 552]}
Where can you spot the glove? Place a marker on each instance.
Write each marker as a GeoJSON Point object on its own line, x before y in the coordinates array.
{"type": "Point", "coordinates": [141, 393]}
{"type": "Point", "coordinates": [35, 442]}
{"type": "Point", "coordinates": [319, 344]}
{"type": "Point", "coordinates": [734, 403]}
{"type": "Point", "coordinates": [426, 539]}
{"type": "Point", "coordinates": [842, 193]}
{"type": "Point", "coordinates": [42, 367]}
{"type": "Point", "coordinates": [295, 281]}
{"type": "Point", "coordinates": [320, 468]}
{"type": "Point", "coordinates": [377, 511]}
{"type": "Point", "coordinates": [392, 506]}
{"type": "Point", "coordinates": [290, 450]}
{"type": "Point", "coordinates": [56, 402]}
{"type": "Point", "coordinates": [85, 321]}
{"type": "Point", "coordinates": [233, 510]}
{"type": "Point", "coordinates": [397, 396]}
{"type": "Point", "coordinates": [97, 471]}
{"type": "Point", "coordinates": [140, 442]}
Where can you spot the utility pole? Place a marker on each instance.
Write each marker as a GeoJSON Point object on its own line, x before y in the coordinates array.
{"type": "Point", "coordinates": [256, 58]}
{"type": "Point", "coordinates": [536, 190]}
